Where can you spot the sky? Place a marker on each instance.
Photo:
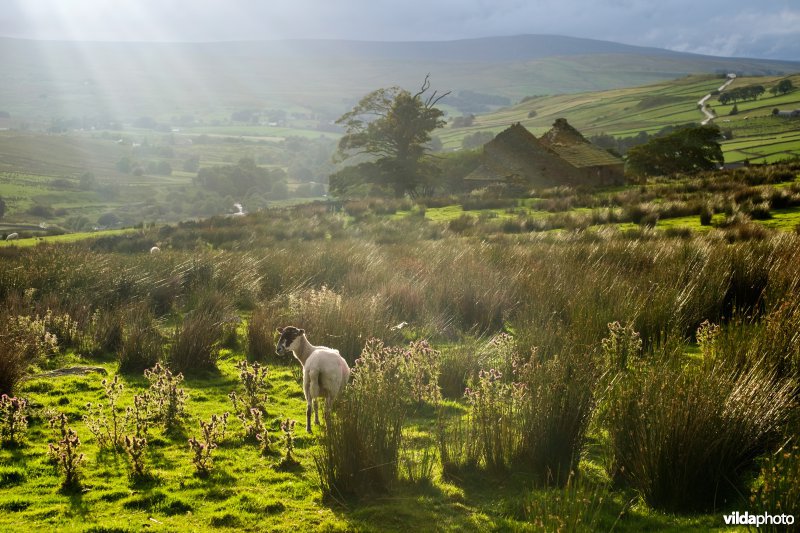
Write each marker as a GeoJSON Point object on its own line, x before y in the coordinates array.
{"type": "Point", "coordinates": [737, 28]}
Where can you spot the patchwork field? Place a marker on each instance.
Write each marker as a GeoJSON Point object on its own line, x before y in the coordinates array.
{"type": "Point", "coordinates": [757, 135]}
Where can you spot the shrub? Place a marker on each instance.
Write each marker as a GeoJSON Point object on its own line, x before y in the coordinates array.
{"type": "Point", "coordinates": [492, 423]}
{"type": "Point", "coordinates": [196, 340]}
{"type": "Point", "coordinates": [777, 490]}
{"type": "Point", "coordinates": [13, 420]}
{"type": "Point", "coordinates": [461, 224]}
{"type": "Point", "coordinates": [534, 419]}
{"type": "Point", "coordinates": [23, 341]}
{"type": "Point", "coordinates": [142, 343]}
{"type": "Point", "coordinates": [106, 334]}
{"type": "Point", "coordinates": [706, 214]}
{"type": "Point", "coordinates": [260, 335]}
{"type": "Point", "coordinates": [167, 397]}
{"type": "Point", "coordinates": [761, 211]}
{"type": "Point", "coordinates": [361, 444]}
{"type": "Point", "coordinates": [682, 437]}
{"type": "Point", "coordinates": [348, 320]}
{"type": "Point", "coordinates": [65, 453]}
{"type": "Point", "coordinates": [557, 402]}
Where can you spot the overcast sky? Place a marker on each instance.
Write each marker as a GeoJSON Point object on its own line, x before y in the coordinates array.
{"type": "Point", "coordinates": [746, 28]}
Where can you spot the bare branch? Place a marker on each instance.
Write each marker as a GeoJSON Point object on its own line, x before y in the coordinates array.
{"type": "Point", "coordinates": [433, 100]}
{"type": "Point", "coordinates": [425, 85]}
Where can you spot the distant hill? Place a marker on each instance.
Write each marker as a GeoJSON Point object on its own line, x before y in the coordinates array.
{"type": "Point", "coordinates": [44, 81]}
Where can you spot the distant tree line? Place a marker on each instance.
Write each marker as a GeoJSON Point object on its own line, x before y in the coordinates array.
{"type": "Point", "coordinates": [750, 92]}
{"type": "Point", "coordinates": [242, 179]}
{"type": "Point", "coordinates": [621, 145]}
{"type": "Point", "coordinates": [686, 150]}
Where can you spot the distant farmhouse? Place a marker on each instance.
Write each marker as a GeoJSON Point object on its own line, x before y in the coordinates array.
{"type": "Point", "coordinates": [562, 156]}
{"type": "Point", "coordinates": [795, 113]}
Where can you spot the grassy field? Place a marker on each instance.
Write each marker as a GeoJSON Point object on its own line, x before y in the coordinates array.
{"type": "Point", "coordinates": [41, 175]}
{"type": "Point", "coordinates": [757, 135]}
{"type": "Point", "coordinates": [611, 319]}
{"type": "Point", "coordinates": [247, 490]}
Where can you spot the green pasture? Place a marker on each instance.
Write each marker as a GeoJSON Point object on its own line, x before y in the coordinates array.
{"type": "Point", "coordinates": [66, 238]}
{"type": "Point", "coordinates": [627, 111]}
{"type": "Point", "coordinates": [247, 490]}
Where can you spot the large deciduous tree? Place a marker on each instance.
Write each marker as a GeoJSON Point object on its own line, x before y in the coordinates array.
{"type": "Point", "coordinates": [391, 127]}
{"type": "Point", "coordinates": [686, 150]}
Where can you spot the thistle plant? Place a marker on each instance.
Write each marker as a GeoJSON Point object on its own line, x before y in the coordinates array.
{"type": "Point", "coordinates": [212, 432]}
{"type": "Point", "coordinates": [167, 397]}
{"type": "Point", "coordinates": [252, 403]}
{"type": "Point", "coordinates": [65, 452]}
{"type": "Point", "coordinates": [287, 427]}
{"type": "Point", "coordinates": [260, 431]}
{"type": "Point", "coordinates": [103, 420]}
{"type": "Point", "coordinates": [135, 447]}
{"type": "Point", "coordinates": [13, 420]}
{"type": "Point", "coordinates": [620, 346]}
{"type": "Point", "coordinates": [423, 366]}
{"type": "Point", "coordinates": [251, 418]}
{"type": "Point", "coordinates": [138, 415]}
{"type": "Point", "coordinates": [254, 380]}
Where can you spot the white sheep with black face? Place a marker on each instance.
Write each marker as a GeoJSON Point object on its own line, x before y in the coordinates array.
{"type": "Point", "coordinates": [325, 372]}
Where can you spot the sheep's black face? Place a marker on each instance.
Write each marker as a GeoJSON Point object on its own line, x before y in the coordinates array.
{"type": "Point", "coordinates": [288, 335]}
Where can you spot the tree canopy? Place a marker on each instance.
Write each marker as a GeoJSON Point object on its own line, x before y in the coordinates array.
{"type": "Point", "coordinates": [687, 150]}
{"type": "Point", "coordinates": [391, 129]}
{"type": "Point", "coordinates": [783, 87]}
{"type": "Point", "coordinates": [241, 179]}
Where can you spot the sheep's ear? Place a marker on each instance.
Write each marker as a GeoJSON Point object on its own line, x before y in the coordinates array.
{"type": "Point", "coordinates": [280, 330]}
{"type": "Point", "coordinates": [302, 332]}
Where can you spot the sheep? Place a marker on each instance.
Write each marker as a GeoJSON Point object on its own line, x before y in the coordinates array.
{"type": "Point", "coordinates": [12, 236]}
{"type": "Point", "coordinates": [325, 372]}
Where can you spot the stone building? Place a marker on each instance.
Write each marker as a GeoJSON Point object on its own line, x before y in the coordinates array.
{"type": "Point", "coordinates": [562, 156]}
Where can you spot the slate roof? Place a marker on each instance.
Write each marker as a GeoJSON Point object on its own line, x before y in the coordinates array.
{"type": "Point", "coordinates": [573, 147]}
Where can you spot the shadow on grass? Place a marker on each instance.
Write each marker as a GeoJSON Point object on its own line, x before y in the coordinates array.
{"type": "Point", "coordinates": [410, 507]}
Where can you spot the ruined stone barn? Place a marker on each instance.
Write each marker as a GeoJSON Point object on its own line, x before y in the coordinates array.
{"type": "Point", "coordinates": [562, 156]}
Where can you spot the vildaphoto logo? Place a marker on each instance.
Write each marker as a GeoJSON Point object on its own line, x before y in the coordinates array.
{"type": "Point", "coordinates": [764, 519]}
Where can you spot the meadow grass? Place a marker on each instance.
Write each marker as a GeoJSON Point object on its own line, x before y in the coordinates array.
{"type": "Point", "coordinates": [554, 293]}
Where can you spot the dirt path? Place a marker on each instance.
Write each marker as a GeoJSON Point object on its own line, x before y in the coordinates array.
{"type": "Point", "coordinates": [704, 101]}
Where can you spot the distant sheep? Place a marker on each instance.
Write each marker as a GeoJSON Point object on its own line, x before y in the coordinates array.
{"type": "Point", "coordinates": [325, 372]}
{"type": "Point", "coordinates": [12, 236]}
{"type": "Point", "coordinates": [155, 250]}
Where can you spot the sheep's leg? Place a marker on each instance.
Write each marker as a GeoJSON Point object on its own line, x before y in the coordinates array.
{"type": "Point", "coordinates": [316, 411]}
{"type": "Point", "coordinates": [328, 406]}
{"type": "Point", "coordinates": [309, 400]}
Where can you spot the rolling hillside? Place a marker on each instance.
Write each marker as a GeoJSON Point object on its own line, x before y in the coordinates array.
{"type": "Point", "coordinates": [756, 134]}
{"type": "Point", "coordinates": [101, 83]}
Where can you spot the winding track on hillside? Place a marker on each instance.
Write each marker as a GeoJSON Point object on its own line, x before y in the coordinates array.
{"type": "Point", "coordinates": [704, 101]}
